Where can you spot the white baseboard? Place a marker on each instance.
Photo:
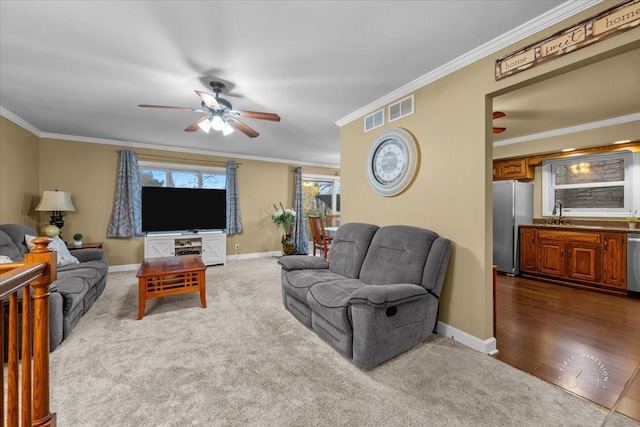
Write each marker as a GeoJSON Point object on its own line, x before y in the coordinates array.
{"type": "Point", "coordinates": [487, 346]}
{"type": "Point", "coordinates": [254, 255]}
{"type": "Point", "coordinates": [123, 267]}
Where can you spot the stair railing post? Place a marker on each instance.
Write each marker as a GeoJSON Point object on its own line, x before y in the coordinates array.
{"type": "Point", "coordinates": [42, 415]}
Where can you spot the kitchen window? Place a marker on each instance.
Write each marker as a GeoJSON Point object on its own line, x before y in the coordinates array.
{"type": "Point", "coordinates": [154, 174]}
{"type": "Point", "coordinates": [604, 185]}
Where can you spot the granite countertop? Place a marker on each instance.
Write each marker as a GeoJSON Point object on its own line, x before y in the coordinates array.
{"type": "Point", "coordinates": [611, 227]}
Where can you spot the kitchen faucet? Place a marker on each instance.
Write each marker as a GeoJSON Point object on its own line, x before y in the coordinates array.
{"type": "Point", "coordinates": [557, 207]}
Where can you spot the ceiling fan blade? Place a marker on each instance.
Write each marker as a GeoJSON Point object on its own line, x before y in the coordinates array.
{"type": "Point", "coordinates": [256, 115]}
{"type": "Point", "coordinates": [194, 126]}
{"type": "Point", "coordinates": [168, 107]}
{"type": "Point", "coordinates": [498, 114]}
{"type": "Point", "coordinates": [237, 124]}
{"type": "Point", "coordinates": [499, 130]}
{"type": "Point", "coordinates": [209, 99]}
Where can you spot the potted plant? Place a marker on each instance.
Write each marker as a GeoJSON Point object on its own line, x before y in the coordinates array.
{"type": "Point", "coordinates": [284, 217]}
{"type": "Point", "coordinates": [77, 239]}
{"type": "Point", "coordinates": [632, 219]}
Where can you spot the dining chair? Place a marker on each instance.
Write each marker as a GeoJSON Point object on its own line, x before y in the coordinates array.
{"type": "Point", "coordinates": [333, 220]}
{"type": "Point", "coordinates": [320, 238]}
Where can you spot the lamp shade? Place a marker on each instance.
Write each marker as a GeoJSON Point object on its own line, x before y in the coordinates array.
{"type": "Point", "coordinates": [205, 125]}
{"type": "Point", "coordinates": [217, 123]}
{"type": "Point", "coordinates": [55, 201]}
{"type": "Point", "coordinates": [226, 130]}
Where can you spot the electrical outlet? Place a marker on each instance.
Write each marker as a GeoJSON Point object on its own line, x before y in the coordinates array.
{"type": "Point", "coordinates": [237, 246]}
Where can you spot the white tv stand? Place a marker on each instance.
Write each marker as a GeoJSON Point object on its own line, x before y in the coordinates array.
{"type": "Point", "coordinates": [210, 245]}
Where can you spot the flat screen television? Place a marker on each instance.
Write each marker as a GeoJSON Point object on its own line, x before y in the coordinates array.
{"type": "Point", "coordinates": [183, 209]}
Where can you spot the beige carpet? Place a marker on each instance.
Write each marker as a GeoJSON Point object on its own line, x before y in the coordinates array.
{"type": "Point", "coordinates": [245, 360]}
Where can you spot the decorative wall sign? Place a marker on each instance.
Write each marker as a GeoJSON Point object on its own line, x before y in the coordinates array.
{"type": "Point", "coordinates": [609, 23]}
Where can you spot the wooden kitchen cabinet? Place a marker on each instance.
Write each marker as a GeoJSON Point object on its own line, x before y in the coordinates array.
{"type": "Point", "coordinates": [527, 249]}
{"type": "Point", "coordinates": [614, 260]}
{"type": "Point", "coordinates": [512, 169]}
{"type": "Point", "coordinates": [584, 258]}
{"type": "Point", "coordinates": [584, 261]}
{"type": "Point", "coordinates": [551, 257]}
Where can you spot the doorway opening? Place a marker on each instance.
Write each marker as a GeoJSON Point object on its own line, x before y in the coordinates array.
{"type": "Point", "coordinates": [565, 335]}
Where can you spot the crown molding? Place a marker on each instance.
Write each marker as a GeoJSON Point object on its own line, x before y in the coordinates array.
{"type": "Point", "coordinates": [47, 135]}
{"type": "Point", "coordinates": [535, 25]}
{"type": "Point", "coordinates": [19, 121]}
{"type": "Point", "coordinates": [128, 144]}
{"type": "Point", "coordinates": [571, 129]}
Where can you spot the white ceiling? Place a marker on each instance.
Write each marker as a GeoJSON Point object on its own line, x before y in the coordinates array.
{"type": "Point", "coordinates": [81, 68]}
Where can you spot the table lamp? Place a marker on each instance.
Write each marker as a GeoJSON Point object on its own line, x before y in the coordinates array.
{"type": "Point", "coordinates": [56, 202]}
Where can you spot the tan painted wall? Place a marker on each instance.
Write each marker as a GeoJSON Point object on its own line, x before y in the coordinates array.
{"type": "Point", "coordinates": [451, 193]}
{"type": "Point", "coordinates": [19, 174]}
{"type": "Point", "coordinates": [30, 165]}
{"type": "Point", "coordinates": [88, 172]}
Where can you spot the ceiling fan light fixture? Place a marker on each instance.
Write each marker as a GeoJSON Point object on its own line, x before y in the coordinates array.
{"type": "Point", "coordinates": [217, 123]}
{"type": "Point", "coordinates": [218, 113]}
{"type": "Point", "coordinates": [226, 129]}
{"type": "Point", "coordinates": [205, 125]}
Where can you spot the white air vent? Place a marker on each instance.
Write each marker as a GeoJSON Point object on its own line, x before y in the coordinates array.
{"type": "Point", "coordinates": [402, 108]}
{"type": "Point", "coordinates": [374, 120]}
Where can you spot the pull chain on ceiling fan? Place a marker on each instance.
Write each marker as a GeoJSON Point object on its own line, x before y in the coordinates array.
{"type": "Point", "coordinates": [220, 115]}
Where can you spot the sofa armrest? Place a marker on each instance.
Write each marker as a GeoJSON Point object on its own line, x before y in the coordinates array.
{"type": "Point", "coordinates": [383, 295]}
{"type": "Point", "coordinates": [89, 254]}
{"type": "Point", "coordinates": [303, 262]}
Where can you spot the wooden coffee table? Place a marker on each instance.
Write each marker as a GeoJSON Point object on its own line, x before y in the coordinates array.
{"type": "Point", "coordinates": [160, 277]}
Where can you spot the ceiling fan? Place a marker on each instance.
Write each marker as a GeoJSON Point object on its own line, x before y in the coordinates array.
{"type": "Point", "coordinates": [219, 113]}
{"type": "Point", "coordinates": [497, 115]}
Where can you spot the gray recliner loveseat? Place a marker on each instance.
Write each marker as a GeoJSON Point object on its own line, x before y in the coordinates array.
{"type": "Point", "coordinates": [377, 294]}
{"type": "Point", "coordinates": [75, 290]}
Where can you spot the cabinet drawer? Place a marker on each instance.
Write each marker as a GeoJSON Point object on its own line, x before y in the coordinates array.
{"type": "Point", "coordinates": [570, 236]}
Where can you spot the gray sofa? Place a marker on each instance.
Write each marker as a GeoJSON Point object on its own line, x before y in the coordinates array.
{"type": "Point", "coordinates": [377, 294]}
{"type": "Point", "coordinates": [77, 287]}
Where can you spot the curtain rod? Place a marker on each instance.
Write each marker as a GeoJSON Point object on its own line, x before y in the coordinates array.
{"type": "Point", "coordinates": [317, 170]}
{"type": "Point", "coordinates": [182, 159]}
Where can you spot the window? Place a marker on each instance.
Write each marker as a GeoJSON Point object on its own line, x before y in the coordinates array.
{"type": "Point", "coordinates": [181, 176]}
{"type": "Point", "coordinates": [321, 196]}
{"type": "Point", "coordinates": [604, 185]}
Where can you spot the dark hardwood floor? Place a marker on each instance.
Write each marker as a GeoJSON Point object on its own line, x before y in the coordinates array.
{"type": "Point", "coordinates": [583, 341]}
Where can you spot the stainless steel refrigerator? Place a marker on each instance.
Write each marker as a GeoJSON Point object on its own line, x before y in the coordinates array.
{"type": "Point", "coordinates": [512, 206]}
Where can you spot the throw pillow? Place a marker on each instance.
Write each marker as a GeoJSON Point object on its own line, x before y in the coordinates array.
{"type": "Point", "coordinates": [5, 259]}
{"type": "Point", "coordinates": [64, 256]}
